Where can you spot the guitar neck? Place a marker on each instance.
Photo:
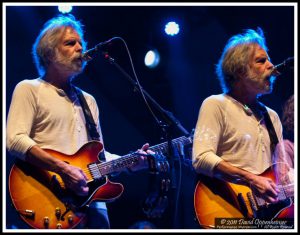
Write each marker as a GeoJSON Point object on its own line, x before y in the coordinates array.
{"type": "Point", "coordinates": [163, 147]}
{"type": "Point", "coordinates": [131, 159]}
{"type": "Point", "coordinates": [286, 191]}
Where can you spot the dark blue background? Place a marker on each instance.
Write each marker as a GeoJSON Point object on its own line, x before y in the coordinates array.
{"type": "Point", "coordinates": [183, 79]}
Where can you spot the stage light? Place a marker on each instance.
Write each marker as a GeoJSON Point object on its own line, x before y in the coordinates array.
{"type": "Point", "coordinates": [172, 28]}
{"type": "Point", "coordinates": [152, 58]}
{"type": "Point", "coordinates": [64, 8]}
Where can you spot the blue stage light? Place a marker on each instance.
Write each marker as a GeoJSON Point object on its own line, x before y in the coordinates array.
{"type": "Point", "coordinates": [172, 28]}
{"type": "Point", "coordinates": [152, 58]}
{"type": "Point", "coordinates": [65, 8]}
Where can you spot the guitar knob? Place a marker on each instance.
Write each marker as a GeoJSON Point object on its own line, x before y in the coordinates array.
{"type": "Point", "coordinates": [57, 212]}
{"type": "Point", "coordinates": [46, 222]}
{"type": "Point", "coordinates": [70, 219]}
{"type": "Point", "coordinates": [58, 226]}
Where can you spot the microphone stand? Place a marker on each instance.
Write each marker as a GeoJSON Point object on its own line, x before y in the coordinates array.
{"type": "Point", "coordinates": [167, 116]}
{"type": "Point", "coordinates": [169, 121]}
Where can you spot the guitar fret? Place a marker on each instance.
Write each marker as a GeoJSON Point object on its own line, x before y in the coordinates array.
{"type": "Point", "coordinates": [95, 171]}
{"type": "Point", "coordinates": [282, 195]}
{"type": "Point", "coordinates": [163, 146]}
{"type": "Point", "coordinates": [131, 159]}
{"type": "Point", "coordinates": [288, 190]}
{"type": "Point", "coordinates": [114, 165]}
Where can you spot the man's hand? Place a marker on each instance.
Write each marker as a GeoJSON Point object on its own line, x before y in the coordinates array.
{"type": "Point", "coordinates": [143, 162]}
{"type": "Point", "coordinates": [75, 179]}
{"type": "Point", "coordinates": [265, 188]}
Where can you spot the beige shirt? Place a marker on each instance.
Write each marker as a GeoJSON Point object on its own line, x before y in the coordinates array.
{"type": "Point", "coordinates": [41, 114]}
{"type": "Point", "coordinates": [225, 131]}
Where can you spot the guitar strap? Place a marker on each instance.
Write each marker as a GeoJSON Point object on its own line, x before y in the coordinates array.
{"type": "Point", "coordinates": [90, 123]}
{"type": "Point", "coordinates": [270, 127]}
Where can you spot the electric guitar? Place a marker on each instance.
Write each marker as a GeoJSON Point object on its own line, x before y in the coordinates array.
{"type": "Point", "coordinates": [214, 198]}
{"type": "Point", "coordinates": [43, 201]}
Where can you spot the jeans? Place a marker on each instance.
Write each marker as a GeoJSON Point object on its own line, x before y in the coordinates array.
{"type": "Point", "coordinates": [97, 218]}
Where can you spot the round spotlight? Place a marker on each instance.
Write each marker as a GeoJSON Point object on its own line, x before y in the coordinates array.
{"type": "Point", "coordinates": [64, 8]}
{"type": "Point", "coordinates": [152, 58]}
{"type": "Point", "coordinates": [172, 28]}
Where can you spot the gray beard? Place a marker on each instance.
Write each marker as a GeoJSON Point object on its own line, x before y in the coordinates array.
{"type": "Point", "coordinates": [68, 64]}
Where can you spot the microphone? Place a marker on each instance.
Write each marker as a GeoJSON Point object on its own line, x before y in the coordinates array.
{"type": "Point", "coordinates": [91, 53]}
{"type": "Point", "coordinates": [286, 64]}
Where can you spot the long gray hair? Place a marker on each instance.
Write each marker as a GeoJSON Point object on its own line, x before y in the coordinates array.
{"type": "Point", "coordinates": [46, 42]}
{"type": "Point", "coordinates": [234, 60]}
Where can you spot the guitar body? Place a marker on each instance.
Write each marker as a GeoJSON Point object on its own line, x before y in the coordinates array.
{"type": "Point", "coordinates": [42, 199]}
{"type": "Point", "coordinates": [215, 198]}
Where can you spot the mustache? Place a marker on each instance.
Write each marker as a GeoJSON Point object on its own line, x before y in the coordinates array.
{"type": "Point", "coordinates": [75, 57]}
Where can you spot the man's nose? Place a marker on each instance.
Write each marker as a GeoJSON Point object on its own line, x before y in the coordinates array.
{"type": "Point", "coordinates": [78, 47]}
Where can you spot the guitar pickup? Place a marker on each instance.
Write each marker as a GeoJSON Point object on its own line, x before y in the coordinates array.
{"type": "Point", "coordinates": [243, 206]}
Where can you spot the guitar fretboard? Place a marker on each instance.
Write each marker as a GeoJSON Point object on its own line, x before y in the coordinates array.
{"type": "Point", "coordinates": [286, 191]}
{"type": "Point", "coordinates": [105, 168]}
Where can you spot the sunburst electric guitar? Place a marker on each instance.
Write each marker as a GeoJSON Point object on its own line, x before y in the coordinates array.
{"type": "Point", "coordinates": [214, 198]}
{"type": "Point", "coordinates": [43, 201]}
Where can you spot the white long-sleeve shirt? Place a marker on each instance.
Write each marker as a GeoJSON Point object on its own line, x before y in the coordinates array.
{"type": "Point", "coordinates": [41, 114]}
{"type": "Point", "coordinates": [224, 131]}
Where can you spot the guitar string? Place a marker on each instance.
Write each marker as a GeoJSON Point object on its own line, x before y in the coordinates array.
{"type": "Point", "coordinates": [263, 202]}
{"type": "Point", "coordinates": [129, 158]}
{"type": "Point", "coordinates": [156, 147]}
{"type": "Point", "coordinates": [282, 194]}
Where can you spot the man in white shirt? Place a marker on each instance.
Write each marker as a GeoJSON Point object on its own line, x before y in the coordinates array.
{"type": "Point", "coordinates": [231, 140]}
{"type": "Point", "coordinates": [45, 113]}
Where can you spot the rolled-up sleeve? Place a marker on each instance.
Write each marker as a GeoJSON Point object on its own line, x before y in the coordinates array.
{"type": "Point", "coordinates": [206, 137]}
{"type": "Point", "coordinates": [20, 120]}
